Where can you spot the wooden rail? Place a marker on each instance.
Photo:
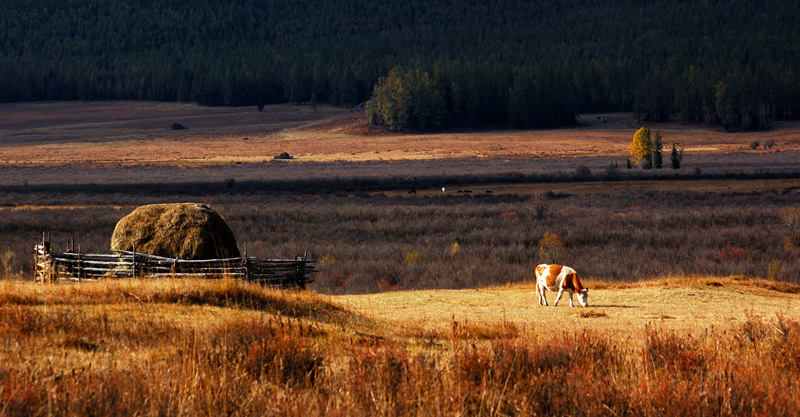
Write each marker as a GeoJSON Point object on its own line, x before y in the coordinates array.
{"type": "Point", "coordinates": [71, 266]}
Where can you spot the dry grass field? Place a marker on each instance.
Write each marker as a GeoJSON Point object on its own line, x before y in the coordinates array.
{"type": "Point", "coordinates": [125, 133]}
{"type": "Point", "coordinates": [682, 320]}
{"type": "Point", "coordinates": [726, 346]}
{"type": "Point", "coordinates": [683, 305]}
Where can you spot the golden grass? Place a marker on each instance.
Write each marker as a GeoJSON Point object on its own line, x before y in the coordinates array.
{"type": "Point", "coordinates": [204, 347]}
{"type": "Point", "coordinates": [685, 305]}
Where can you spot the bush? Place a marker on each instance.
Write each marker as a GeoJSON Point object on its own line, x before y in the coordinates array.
{"type": "Point", "coordinates": [791, 227]}
{"type": "Point", "coordinates": [732, 253]}
{"type": "Point", "coordinates": [773, 269]}
{"type": "Point", "coordinates": [552, 249]}
{"type": "Point", "coordinates": [645, 164]}
{"type": "Point", "coordinates": [413, 258]}
{"type": "Point", "coordinates": [538, 206]}
{"type": "Point", "coordinates": [582, 171]}
{"type": "Point", "coordinates": [753, 145]}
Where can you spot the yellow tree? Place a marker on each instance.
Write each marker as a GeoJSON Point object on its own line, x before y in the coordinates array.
{"type": "Point", "coordinates": [642, 145]}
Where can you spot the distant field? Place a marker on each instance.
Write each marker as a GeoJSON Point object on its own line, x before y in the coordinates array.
{"type": "Point", "coordinates": [136, 133]}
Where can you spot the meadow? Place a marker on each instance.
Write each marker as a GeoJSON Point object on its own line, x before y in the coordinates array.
{"type": "Point", "coordinates": [423, 303]}
{"type": "Point", "coordinates": [221, 347]}
{"type": "Point", "coordinates": [372, 242]}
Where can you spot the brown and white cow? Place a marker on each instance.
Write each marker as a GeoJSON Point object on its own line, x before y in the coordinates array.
{"type": "Point", "coordinates": [559, 278]}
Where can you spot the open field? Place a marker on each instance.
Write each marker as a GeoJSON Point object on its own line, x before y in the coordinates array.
{"type": "Point", "coordinates": [356, 212]}
{"type": "Point", "coordinates": [182, 347]}
{"type": "Point", "coordinates": [687, 306]}
{"type": "Point", "coordinates": [131, 133]}
{"type": "Point", "coordinates": [423, 303]}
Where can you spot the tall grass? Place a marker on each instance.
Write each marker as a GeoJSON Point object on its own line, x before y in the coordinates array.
{"type": "Point", "coordinates": [95, 350]}
{"type": "Point", "coordinates": [362, 242]}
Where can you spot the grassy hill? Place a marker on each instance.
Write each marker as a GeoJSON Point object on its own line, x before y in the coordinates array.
{"type": "Point", "coordinates": [721, 346]}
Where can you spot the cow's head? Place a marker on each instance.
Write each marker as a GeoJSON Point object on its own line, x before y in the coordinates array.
{"type": "Point", "coordinates": [583, 297]}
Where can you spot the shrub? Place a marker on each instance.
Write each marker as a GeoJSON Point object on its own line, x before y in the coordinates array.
{"type": "Point", "coordinates": [538, 206]}
{"type": "Point", "coordinates": [732, 253]}
{"type": "Point", "coordinates": [5, 262]}
{"type": "Point", "coordinates": [455, 248]}
{"type": "Point", "coordinates": [413, 258]}
{"type": "Point", "coordinates": [773, 269]}
{"type": "Point", "coordinates": [753, 145]}
{"type": "Point", "coordinates": [552, 249]}
{"type": "Point", "coordinates": [791, 226]}
{"type": "Point", "coordinates": [645, 164]}
{"type": "Point", "coordinates": [582, 171]}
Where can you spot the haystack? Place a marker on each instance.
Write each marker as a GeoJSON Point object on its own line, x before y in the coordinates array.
{"type": "Point", "coordinates": [180, 230]}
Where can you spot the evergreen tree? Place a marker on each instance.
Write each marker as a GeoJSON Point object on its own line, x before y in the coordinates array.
{"type": "Point", "coordinates": [658, 146]}
{"type": "Point", "coordinates": [676, 157]}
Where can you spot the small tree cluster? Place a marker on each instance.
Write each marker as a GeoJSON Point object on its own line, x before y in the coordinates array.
{"type": "Point", "coordinates": [406, 100]}
{"type": "Point", "coordinates": [646, 152]}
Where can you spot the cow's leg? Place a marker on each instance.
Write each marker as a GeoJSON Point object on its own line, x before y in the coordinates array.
{"type": "Point", "coordinates": [542, 294]}
{"type": "Point", "coordinates": [558, 297]}
{"type": "Point", "coordinates": [539, 292]}
{"type": "Point", "coordinates": [570, 299]}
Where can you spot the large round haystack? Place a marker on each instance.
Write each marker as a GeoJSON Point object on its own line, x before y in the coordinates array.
{"type": "Point", "coordinates": [180, 230]}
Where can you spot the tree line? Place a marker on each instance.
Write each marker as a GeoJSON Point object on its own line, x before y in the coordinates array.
{"type": "Point", "coordinates": [488, 62]}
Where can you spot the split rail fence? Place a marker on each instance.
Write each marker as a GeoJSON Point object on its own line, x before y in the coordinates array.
{"type": "Point", "coordinates": [71, 266]}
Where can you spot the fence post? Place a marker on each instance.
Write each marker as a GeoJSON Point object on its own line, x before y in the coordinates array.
{"type": "Point", "coordinates": [245, 264]}
{"type": "Point", "coordinates": [44, 267]}
{"type": "Point", "coordinates": [133, 263]}
{"type": "Point", "coordinates": [79, 267]}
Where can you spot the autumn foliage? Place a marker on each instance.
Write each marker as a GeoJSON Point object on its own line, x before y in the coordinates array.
{"type": "Point", "coordinates": [642, 145]}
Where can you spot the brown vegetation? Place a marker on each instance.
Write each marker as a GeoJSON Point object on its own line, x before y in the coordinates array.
{"type": "Point", "coordinates": [616, 236]}
{"type": "Point", "coordinates": [131, 133]}
{"type": "Point", "coordinates": [177, 347]}
{"type": "Point", "coordinates": [650, 344]}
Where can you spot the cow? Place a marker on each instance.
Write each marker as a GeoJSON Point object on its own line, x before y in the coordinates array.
{"type": "Point", "coordinates": [559, 278]}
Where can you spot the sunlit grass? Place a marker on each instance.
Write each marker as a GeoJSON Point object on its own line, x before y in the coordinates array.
{"type": "Point", "coordinates": [188, 347]}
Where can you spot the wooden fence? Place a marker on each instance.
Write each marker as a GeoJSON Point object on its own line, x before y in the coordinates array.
{"type": "Point", "coordinates": [71, 266]}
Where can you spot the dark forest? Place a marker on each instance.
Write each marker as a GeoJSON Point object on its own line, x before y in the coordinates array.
{"type": "Point", "coordinates": [526, 64]}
